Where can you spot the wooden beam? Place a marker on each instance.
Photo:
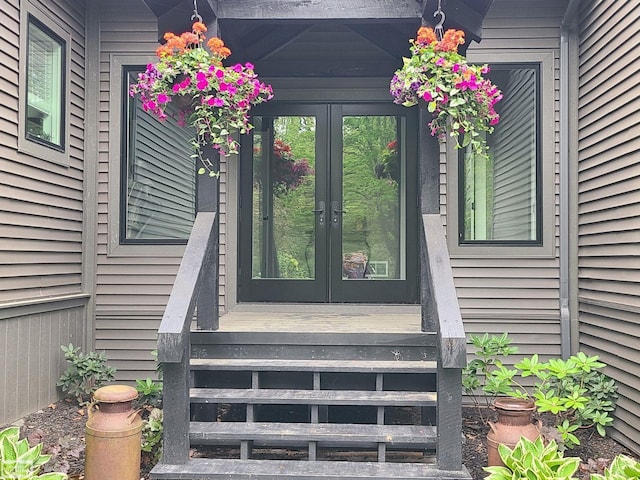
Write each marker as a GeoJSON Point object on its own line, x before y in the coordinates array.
{"type": "Point", "coordinates": [318, 9]}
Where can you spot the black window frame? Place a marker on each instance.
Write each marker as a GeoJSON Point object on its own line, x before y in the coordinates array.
{"type": "Point", "coordinates": [62, 147]}
{"type": "Point", "coordinates": [539, 230]}
{"type": "Point", "coordinates": [127, 114]}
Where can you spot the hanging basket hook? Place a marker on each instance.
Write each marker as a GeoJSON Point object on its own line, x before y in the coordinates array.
{"type": "Point", "coordinates": [439, 28]}
{"type": "Point", "coordinates": [196, 16]}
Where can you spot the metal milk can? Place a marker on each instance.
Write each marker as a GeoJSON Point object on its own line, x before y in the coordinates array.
{"type": "Point", "coordinates": [113, 435]}
{"type": "Point", "coordinates": [514, 422]}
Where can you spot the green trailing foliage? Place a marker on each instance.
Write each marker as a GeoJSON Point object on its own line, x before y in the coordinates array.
{"type": "Point", "coordinates": [85, 374]}
{"type": "Point", "coordinates": [18, 461]}
{"type": "Point", "coordinates": [574, 391]}
{"type": "Point", "coordinates": [533, 460]}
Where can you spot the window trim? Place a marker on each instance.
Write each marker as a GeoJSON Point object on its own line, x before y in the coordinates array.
{"type": "Point", "coordinates": [60, 155]}
{"type": "Point", "coordinates": [117, 62]}
{"type": "Point", "coordinates": [546, 173]}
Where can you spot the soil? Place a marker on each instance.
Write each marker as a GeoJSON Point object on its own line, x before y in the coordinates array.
{"type": "Point", "coordinates": [60, 427]}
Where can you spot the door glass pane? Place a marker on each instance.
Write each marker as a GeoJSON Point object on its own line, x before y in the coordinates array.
{"type": "Point", "coordinates": [284, 220]}
{"type": "Point", "coordinates": [373, 182]}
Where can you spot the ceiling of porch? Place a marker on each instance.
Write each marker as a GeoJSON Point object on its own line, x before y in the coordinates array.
{"type": "Point", "coordinates": [313, 38]}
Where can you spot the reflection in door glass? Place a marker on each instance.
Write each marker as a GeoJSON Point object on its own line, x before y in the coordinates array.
{"type": "Point", "coordinates": [373, 208]}
{"type": "Point", "coordinates": [283, 197]}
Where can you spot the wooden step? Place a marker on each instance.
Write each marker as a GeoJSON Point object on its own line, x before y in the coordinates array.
{"type": "Point", "coordinates": [212, 469]}
{"type": "Point", "coordinates": [312, 397]}
{"type": "Point", "coordinates": [322, 365]}
{"type": "Point", "coordinates": [326, 434]}
{"type": "Point", "coordinates": [316, 345]}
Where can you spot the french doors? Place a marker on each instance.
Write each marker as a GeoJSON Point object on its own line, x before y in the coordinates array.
{"type": "Point", "coordinates": [328, 204]}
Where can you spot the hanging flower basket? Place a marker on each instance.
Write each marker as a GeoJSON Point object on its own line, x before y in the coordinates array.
{"type": "Point", "coordinates": [460, 100]}
{"type": "Point", "coordinates": [212, 98]}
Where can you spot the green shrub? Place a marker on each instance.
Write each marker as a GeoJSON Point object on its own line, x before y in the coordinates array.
{"type": "Point", "coordinates": [18, 461]}
{"type": "Point", "coordinates": [86, 373]}
{"type": "Point", "coordinates": [574, 391]}
{"type": "Point", "coordinates": [533, 460]}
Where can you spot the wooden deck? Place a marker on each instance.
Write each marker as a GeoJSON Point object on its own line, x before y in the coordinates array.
{"type": "Point", "coordinates": [342, 318]}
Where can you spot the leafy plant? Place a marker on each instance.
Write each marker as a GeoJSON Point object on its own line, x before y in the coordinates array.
{"type": "Point", "coordinates": [21, 462]}
{"type": "Point", "coordinates": [149, 392]}
{"type": "Point", "coordinates": [86, 373]}
{"type": "Point", "coordinates": [152, 435]}
{"type": "Point", "coordinates": [479, 371]}
{"type": "Point", "coordinates": [533, 460]}
{"type": "Point", "coordinates": [622, 468]}
{"type": "Point", "coordinates": [572, 390]}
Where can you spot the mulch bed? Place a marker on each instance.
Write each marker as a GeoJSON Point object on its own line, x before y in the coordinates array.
{"type": "Point", "coordinates": [60, 427]}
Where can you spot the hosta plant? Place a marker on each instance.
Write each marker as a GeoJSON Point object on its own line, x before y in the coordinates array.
{"type": "Point", "coordinates": [622, 468]}
{"type": "Point", "coordinates": [18, 461]}
{"type": "Point", "coordinates": [533, 460]}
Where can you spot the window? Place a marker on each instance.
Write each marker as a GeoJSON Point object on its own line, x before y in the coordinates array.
{"type": "Point", "coordinates": [500, 196]}
{"type": "Point", "coordinates": [157, 195]}
{"type": "Point", "coordinates": [44, 87]}
{"type": "Point", "coordinates": [45, 92]}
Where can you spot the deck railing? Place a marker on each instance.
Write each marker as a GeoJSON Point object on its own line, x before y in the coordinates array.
{"type": "Point", "coordinates": [192, 288]}
{"type": "Point", "coordinates": [441, 311]}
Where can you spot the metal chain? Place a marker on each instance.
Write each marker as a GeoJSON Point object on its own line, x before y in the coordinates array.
{"type": "Point", "coordinates": [196, 16]}
{"type": "Point", "coordinates": [439, 29]}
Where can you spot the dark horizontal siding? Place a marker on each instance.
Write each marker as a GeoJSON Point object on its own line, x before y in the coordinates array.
{"type": "Point", "coordinates": [609, 200]}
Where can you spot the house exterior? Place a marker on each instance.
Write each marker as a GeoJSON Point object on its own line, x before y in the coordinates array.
{"type": "Point", "coordinates": [559, 277]}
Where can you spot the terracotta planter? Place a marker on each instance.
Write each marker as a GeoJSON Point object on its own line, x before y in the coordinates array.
{"type": "Point", "coordinates": [514, 422]}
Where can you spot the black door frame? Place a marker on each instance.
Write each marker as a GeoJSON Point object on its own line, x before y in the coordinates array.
{"type": "Point", "coordinates": [328, 286]}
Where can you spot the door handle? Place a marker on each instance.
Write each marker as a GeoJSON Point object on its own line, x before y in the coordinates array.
{"type": "Point", "coordinates": [320, 210]}
{"type": "Point", "coordinates": [336, 211]}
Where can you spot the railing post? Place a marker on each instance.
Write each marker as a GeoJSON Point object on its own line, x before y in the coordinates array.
{"type": "Point", "coordinates": [175, 404]}
{"type": "Point", "coordinates": [449, 452]}
{"type": "Point", "coordinates": [441, 304]}
{"type": "Point", "coordinates": [208, 197]}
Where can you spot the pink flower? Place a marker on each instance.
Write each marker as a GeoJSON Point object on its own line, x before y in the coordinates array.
{"type": "Point", "coordinates": [150, 105]}
{"type": "Point", "coordinates": [163, 98]}
{"type": "Point", "coordinates": [216, 102]}
{"type": "Point", "coordinates": [249, 66]}
{"type": "Point", "coordinates": [456, 68]}
{"type": "Point", "coordinates": [440, 62]}
{"type": "Point", "coordinates": [427, 97]}
{"type": "Point", "coordinates": [237, 68]}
